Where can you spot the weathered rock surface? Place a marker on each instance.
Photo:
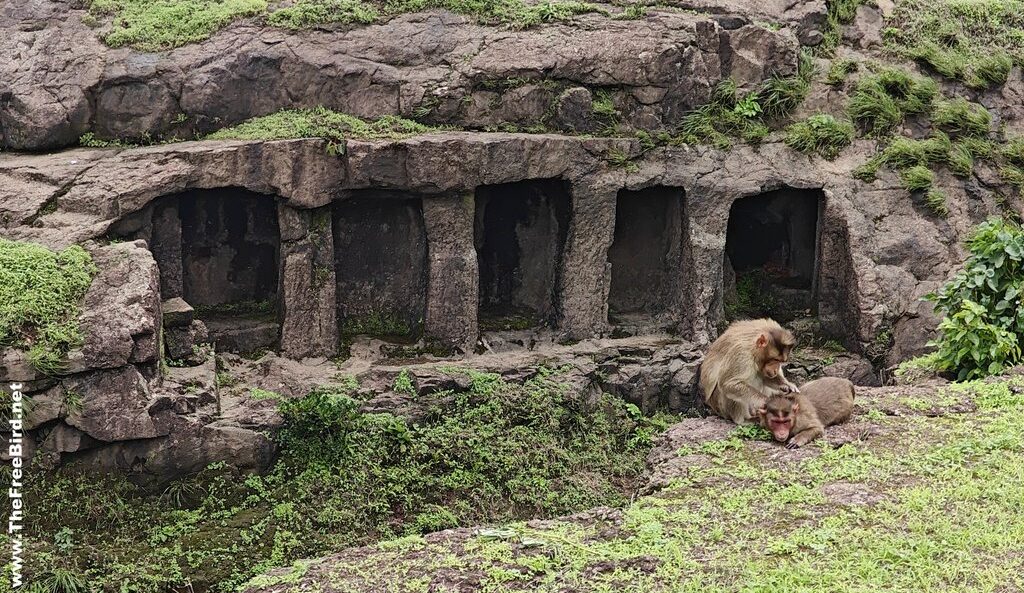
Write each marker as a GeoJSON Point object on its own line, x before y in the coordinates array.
{"type": "Point", "coordinates": [879, 251]}
{"type": "Point", "coordinates": [59, 81]}
{"type": "Point", "coordinates": [188, 344]}
{"type": "Point", "coordinates": [121, 317]}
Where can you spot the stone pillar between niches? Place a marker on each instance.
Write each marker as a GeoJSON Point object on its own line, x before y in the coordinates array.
{"type": "Point", "coordinates": [306, 290]}
{"type": "Point", "coordinates": [454, 281]}
{"type": "Point", "coordinates": [836, 280]}
{"type": "Point", "coordinates": [707, 219]}
{"type": "Point", "coordinates": [585, 278]}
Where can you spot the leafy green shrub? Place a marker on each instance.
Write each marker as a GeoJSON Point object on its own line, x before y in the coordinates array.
{"type": "Point", "coordinates": [961, 117]}
{"type": "Point", "coordinates": [984, 319]}
{"type": "Point", "coordinates": [820, 133]}
{"type": "Point", "coordinates": [40, 292]}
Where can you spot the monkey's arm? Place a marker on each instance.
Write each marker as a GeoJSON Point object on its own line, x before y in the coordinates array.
{"type": "Point", "coordinates": [805, 436]}
{"type": "Point", "coordinates": [742, 393]}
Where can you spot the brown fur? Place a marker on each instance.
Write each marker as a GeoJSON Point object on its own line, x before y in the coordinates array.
{"type": "Point", "coordinates": [802, 417]}
{"type": "Point", "coordinates": [743, 368]}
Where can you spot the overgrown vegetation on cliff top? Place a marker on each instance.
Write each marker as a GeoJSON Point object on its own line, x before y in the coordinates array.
{"type": "Point", "coordinates": [495, 452]}
{"type": "Point", "coordinates": [40, 292]}
{"type": "Point", "coordinates": [975, 41]}
{"type": "Point", "coordinates": [320, 122]}
{"type": "Point", "coordinates": [154, 25]}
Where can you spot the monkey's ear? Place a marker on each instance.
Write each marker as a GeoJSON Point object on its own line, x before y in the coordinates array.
{"type": "Point", "coordinates": [761, 341]}
{"type": "Point", "coordinates": [762, 411]}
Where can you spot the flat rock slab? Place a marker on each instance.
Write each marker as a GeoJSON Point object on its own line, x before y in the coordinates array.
{"type": "Point", "coordinates": [177, 313]}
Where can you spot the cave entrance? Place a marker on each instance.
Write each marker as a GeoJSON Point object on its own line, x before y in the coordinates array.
{"type": "Point", "coordinates": [771, 254]}
{"type": "Point", "coordinates": [520, 234]}
{"type": "Point", "coordinates": [646, 255]}
{"type": "Point", "coordinates": [219, 250]}
{"type": "Point", "coordinates": [380, 247]}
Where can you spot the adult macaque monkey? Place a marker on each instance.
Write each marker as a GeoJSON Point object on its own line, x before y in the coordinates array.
{"type": "Point", "coordinates": [799, 418]}
{"type": "Point", "coordinates": [743, 368]}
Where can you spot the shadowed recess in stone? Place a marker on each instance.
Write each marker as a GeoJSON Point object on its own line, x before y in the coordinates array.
{"type": "Point", "coordinates": [520, 234]}
{"type": "Point", "coordinates": [381, 262]}
{"type": "Point", "coordinates": [219, 250]}
{"type": "Point", "coordinates": [646, 255]}
{"type": "Point", "coordinates": [772, 249]}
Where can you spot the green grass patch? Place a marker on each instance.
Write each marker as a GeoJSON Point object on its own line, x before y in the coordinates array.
{"type": "Point", "coordinates": [839, 70]}
{"type": "Point", "coordinates": [377, 323]}
{"type": "Point", "coordinates": [974, 41]}
{"type": "Point", "coordinates": [320, 122]}
{"type": "Point", "coordinates": [820, 133]}
{"type": "Point", "coordinates": [40, 292]}
{"type": "Point", "coordinates": [494, 452]}
{"type": "Point", "coordinates": [154, 25]}
{"type": "Point", "coordinates": [728, 116]}
{"type": "Point", "coordinates": [840, 12]}
{"type": "Point", "coordinates": [917, 178]}
{"type": "Point", "coordinates": [309, 13]}
{"type": "Point", "coordinates": [933, 505]}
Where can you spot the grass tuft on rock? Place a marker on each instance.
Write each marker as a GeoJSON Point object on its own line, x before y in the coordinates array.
{"type": "Point", "coordinates": [820, 133]}
{"type": "Point", "coordinates": [40, 292]}
{"type": "Point", "coordinates": [960, 117]}
{"type": "Point", "coordinates": [310, 13]}
{"type": "Point", "coordinates": [917, 178]}
{"type": "Point", "coordinates": [320, 122]}
{"type": "Point", "coordinates": [839, 70]}
{"type": "Point", "coordinates": [840, 12]}
{"type": "Point", "coordinates": [881, 100]}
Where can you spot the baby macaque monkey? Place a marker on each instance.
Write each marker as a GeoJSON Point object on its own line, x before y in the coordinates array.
{"type": "Point", "coordinates": [800, 418]}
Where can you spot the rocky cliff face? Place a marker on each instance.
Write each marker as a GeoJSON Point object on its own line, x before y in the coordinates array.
{"type": "Point", "coordinates": [60, 81]}
{"type": "Point", "coordinates": [465, 211]}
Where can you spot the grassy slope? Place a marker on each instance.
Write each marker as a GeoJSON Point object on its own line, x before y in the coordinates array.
{"type": "Point", "coordinates": [494, 452]}
{"type": "Point", "coordinates": [932, 504]}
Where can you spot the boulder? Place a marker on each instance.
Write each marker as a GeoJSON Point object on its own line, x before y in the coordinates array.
{"type": "Point", "coordinates": [187, 345]}
{"type": "Point", "coordinates": [121, 315]}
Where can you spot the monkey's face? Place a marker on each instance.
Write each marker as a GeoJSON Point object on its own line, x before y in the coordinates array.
{"type": "Point", "coordinates": [772, 350]}
{"type": "Point", "coordinates": [778, 416]}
